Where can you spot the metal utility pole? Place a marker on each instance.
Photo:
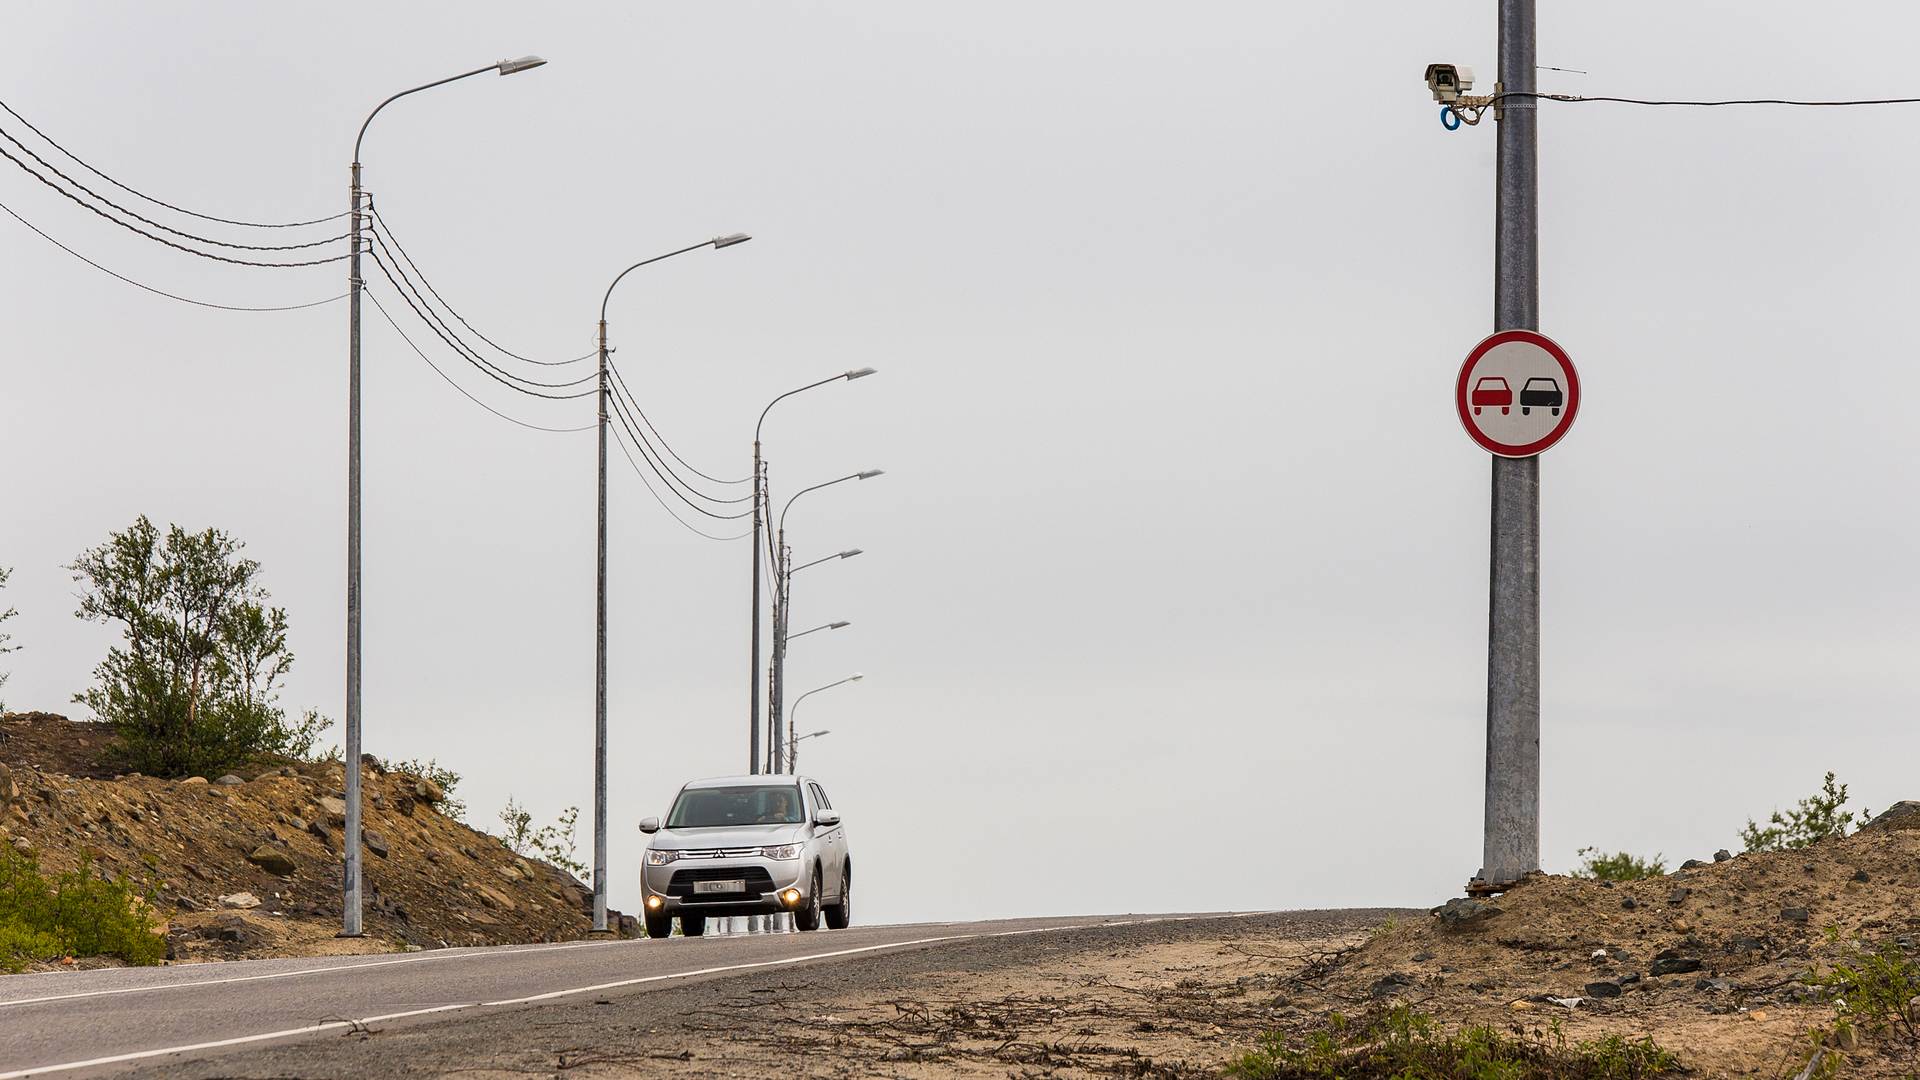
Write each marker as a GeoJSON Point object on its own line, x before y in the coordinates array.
{"type": "Point", "coordinates": [753, 664]}
{"type": "Point", "coordinates": [783, 596]}
{"type": "Point", "coordinates": [760, 506]}
{"type": "Point", "coordinates": [1513, 625]}
{"type": "Point", "coordinates": [600, 596]}
{"type": "Point", "coordinates": [351, 873]}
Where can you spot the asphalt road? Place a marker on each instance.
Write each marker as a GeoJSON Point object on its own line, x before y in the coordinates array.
{"type": "Point", "coordinates": [108, 1022]}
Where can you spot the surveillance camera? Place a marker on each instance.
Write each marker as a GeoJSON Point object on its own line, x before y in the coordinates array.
{"type": "Point", "coordinates": [1448, 82]}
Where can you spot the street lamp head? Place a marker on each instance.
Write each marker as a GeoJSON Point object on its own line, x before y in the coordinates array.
{"type": "Point", "coordinates": [870, 474]}
{"type": "Point", "coordinates": [855, 677]}
{"type": "Point", "coordinates": [860, 373]}
{"type": "Point", "coordinates": [838, 625]}
{"type": "Point", "coordinates": [519, 63]}
{"type": "Point", "coordinates": [729, 240]}
{"type": "Point", "coordinates": [849, 553]}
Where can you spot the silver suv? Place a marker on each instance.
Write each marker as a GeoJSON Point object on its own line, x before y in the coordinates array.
{"type": "Point", "coordinates": [746, 845]}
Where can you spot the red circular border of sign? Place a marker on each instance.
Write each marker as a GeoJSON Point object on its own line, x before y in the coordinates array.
{"type": "Point", "coordinates": [1532, 337]}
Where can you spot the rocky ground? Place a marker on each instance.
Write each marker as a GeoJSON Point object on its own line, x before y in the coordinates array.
{"type": "Point", "coordinates": [248, 865]}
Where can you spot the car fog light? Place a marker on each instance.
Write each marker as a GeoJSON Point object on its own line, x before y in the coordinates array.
{"type": "Point", "coordinates": [790, 897]}
{"type": "Point", "coordinates": [655, 903]}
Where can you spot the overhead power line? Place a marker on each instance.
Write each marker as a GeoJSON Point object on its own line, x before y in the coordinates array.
{"type": "Point", "coordinates": [452, 336]}
{"type": "Point", "coordinates": [55, 170]}
{"type": "Point", "coordinates": [658, 469]}
{"type": "Point", "coordinates": [380, 222]}
{"type": "Point", "coordinates": [625, 402]}
{"type": "Point", "coordinates": [450, 380]}
{"type": "Point", "coordinates": [48, 139]}
{"type": "Point", "coordinates": [684, 523]}
{"type": "Point", "coordinates": [29, 170]}
{"type": "Point", "coordinates": [635, 402]}
{"type": "Point", "coordinates": [484, 367]}
{"type": "Point", "coordinates": [161, 292]}
{"type": "Point", "coordinates": [1811, 104]}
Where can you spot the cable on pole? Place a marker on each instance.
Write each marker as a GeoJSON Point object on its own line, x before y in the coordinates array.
{"type": "Point", "coordinates": [486, 368]}
{"type": "Point", "coordinates": [29, 170]}
{"type": "Point", "coordinates": [450, 381]}
{"type": "Point", "coordinates": [634, 404]}
{"type": "Point", "coordinates": [380, 222]}
{"type": "Point", "coordinates": [450, 335]}
{"type": "Point", "coordinates": [690, 527]}
{"type": "Point", "coordinates": [161, 292]}
{"type": "Point", "coordinates": [640, 442]}
{"type": "Point", "coordinates": [44, 137]}
{"type": "Point", "coordinates": [55, 170]}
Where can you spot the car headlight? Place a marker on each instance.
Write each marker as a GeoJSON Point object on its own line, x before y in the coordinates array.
{"type": "Point", "coordinates": [657, 857]}
{"type": "Point", "coordinates": [785, 851]}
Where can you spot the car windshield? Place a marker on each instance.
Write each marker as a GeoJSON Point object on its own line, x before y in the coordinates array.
{"type": "Point", "coordinates": [718, 807]}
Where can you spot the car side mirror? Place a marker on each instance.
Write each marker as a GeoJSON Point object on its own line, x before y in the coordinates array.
{"type": "Point", "coordinates": [824, 818]}
{"type": "Point", "coordinates": [649, 825]}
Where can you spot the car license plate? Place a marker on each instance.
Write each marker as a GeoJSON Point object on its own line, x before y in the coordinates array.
{"type": "Point", "coordinates": [733, 886]}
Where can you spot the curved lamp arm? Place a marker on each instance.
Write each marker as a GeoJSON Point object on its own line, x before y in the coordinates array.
{"type": "Point", "coordinates": [504, 67]}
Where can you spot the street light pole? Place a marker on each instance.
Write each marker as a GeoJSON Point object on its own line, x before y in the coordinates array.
{"type": "Point", "coordinates": [1512, 836]}
{"type": "Point", "coordinates": [783, 595]}
{"type": "Point", "coordinates": [793, 746]}
{"type": "Point", "coordinates": [351, 873]}
{"type": "Point", "coordinates": [792, 741]}
{"type": "Point", "coordinates": [600, 597]}
{"type": "Point", "coordinates": [759, 507]}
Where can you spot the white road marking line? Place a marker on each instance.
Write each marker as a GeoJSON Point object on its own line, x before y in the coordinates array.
{"type": "Point", "coordinates": [336, 1025]}
{"type": "Point", "coordinates": [193, 984]}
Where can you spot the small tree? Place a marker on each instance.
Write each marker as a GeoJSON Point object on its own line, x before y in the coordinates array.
{"type": "Point", "coordinates": [6, 638]}
{"type": "Point", "coordinates": [1817, 818]}
{"type": "Point", "coordinates": [195, 685]}
{"type": "Point", "coordinates": [1597, 865]}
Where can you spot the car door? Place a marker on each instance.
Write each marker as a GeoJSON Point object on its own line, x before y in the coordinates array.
{"type": "Point", "coordinates": [835, 853]}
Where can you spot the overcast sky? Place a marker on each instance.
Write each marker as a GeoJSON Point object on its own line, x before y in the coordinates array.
{"type": "Point", "coordinates": [1174, 593]}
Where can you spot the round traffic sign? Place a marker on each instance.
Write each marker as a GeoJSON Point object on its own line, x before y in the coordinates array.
{"type": "Point", "coordinates": [1518, 393]}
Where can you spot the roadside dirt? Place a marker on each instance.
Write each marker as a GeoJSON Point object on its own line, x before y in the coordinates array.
{"type": "Point", "coordinates": [250, 869]}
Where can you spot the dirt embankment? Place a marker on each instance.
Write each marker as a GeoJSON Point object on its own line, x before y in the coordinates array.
{"type": "Point", "coordinates": [249, 865]}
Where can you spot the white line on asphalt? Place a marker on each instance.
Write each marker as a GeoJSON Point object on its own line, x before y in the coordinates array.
{"type": "Point", "coordinates": [196, 983]}
{"type": "Point", "coordinates": [337, 1025]}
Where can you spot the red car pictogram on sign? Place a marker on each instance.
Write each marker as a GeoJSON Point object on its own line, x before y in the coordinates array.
{"type": "Point", "coordinates": [1492, 391]}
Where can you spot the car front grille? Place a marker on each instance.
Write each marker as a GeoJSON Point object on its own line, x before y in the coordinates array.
{"type": "Point", "coordinates": [720, 853]}
{"type": "Point", "coordinates": [757, 879]}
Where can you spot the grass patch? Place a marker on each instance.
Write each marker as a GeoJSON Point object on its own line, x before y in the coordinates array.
{"type": "Point", "coordinates": [74, 914]}
{"type": "Point", "coordinates": [1408, 1045]}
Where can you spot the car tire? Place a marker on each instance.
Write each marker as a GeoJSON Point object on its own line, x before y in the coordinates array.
{"type": "Point", "coordinates": [1505, 409]}
{"type": "Point", "coordinates": [1476, 410]}
{"type": "Point", "coordinates": [840, 914]}
{"type": "Point", "coordinates": [1526, 412]}
{"type": "Point", "coordinates": [1556, 412]}
{"type": "Point", "coordinates": [659, 926]}
{"type": "Point", "coordinates": [693, 925]}
{"type": "Point", "coordinates": [808, 917]}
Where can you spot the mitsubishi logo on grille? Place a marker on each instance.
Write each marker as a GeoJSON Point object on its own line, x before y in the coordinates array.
{"type": "Point", "coordinates": [719, 854]}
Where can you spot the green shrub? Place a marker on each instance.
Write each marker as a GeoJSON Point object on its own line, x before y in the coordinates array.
{"type": "Point", "coordinates": [1596, 865]}
{"type": "Point", "coordinates": [75, 914]}
{"type": "Point", "coordinates": [1879, 991]}
{"type": "Point", "coordinates": [552, 843]}
{"type": "Point", "coordinates": [1817, 818]}
{"type": "Point", "coordinates": [1407, 1045]}
{"type": "Point", "coordinates": [194, 686]}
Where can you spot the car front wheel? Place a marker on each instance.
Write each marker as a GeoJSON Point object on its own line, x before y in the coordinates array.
{"type": "Point", "coordinates": [808, 917]}
{"type": "Point", "coordinates": [659, 926]}
{"type": "Point", "coordinates": [693, 925]}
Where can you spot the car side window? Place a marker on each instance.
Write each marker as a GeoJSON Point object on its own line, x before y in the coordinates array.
{"type": "Point", "coordinates": [820, 796]}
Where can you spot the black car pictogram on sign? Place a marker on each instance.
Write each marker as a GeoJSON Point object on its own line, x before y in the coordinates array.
{"type": "Point", "coordinates": [1541, 393]}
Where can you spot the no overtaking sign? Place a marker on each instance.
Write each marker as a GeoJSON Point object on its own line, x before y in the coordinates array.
{"type": "Point", "coordinates": [1518, 393]}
